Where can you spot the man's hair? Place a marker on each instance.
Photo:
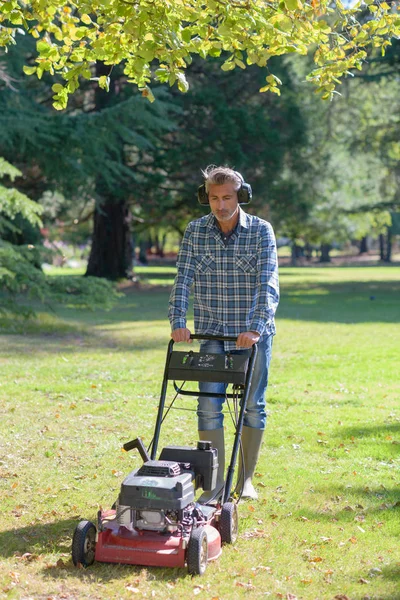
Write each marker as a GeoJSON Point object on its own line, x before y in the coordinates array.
{"type": "Point", "coordinates": [220, 175]}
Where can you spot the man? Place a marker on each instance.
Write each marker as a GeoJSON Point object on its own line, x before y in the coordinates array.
{"type": "Point", "coordinates": [230, 258]}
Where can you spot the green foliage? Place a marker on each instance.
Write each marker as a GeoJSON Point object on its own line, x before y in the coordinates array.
{"type": "Point", "coordinates": [155, 40]}
{"type": "Point", "coordinates": [21, 282]}
{"type": "Point", "coordinates": [224, 120]}
{"type": "Point", "coordinates": [20, 271]}
{"type": "Point", "coordinates": [13, 202]}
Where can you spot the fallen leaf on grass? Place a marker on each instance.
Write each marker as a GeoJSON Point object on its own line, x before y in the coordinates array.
{"type": "Point", "coordinates": [256, 533]}
{"type": "Point", "coordinates": [353, 540]}
{"type": "Point", "coordinates": [316, 559]}
{"type": "Point", "coordinates": [261, 568]}
{"type": "Point", "coordinates": [198, 589]}
{"type": "Point", "coordinates": [364, 581]}
{"type": "Point", "coordinates": [28, 557]}
{"type": "Point", "coordinates": [341, 597]}
{"type": "Point", "coordinates": [306, 581]}
{"type": "Point", "coordinates": [361, 529]}
{"type": "Point", "coordinates": [248, 586]}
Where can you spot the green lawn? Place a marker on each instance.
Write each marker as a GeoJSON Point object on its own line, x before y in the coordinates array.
{"type": "Point", "coordinates": [76, 385]}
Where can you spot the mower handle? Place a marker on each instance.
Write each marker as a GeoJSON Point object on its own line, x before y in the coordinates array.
{"type": "Point", "coordinates": [207, 336]}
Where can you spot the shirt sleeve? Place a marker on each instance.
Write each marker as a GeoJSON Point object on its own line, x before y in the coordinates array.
{"type": "Point", "coordinates": [179, 298]}
{"type": "Point", "coordinates": [267, 295]}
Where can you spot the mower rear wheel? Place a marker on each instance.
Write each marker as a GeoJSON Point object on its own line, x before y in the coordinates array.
{"type": "Point", "coordinates": [197, 552]}
{"type": "Point", "coordinates": [229, 523]}
{"type": "Point", "coordinates": [84, 544]}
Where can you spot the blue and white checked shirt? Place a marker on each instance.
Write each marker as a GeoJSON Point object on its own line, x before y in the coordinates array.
{"type": "Point", "coordinates": [236, 285]}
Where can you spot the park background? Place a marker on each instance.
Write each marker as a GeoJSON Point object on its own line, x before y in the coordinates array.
{"type": "Point", "coordinates": [105, 189]}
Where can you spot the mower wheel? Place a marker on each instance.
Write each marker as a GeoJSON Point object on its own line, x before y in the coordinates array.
{"type": "Point", "coordinates": [197, 552]}
{"type": "Point", "coordinates": [84, 544]}
{"type": "Point", "coordinates": [229, 523]}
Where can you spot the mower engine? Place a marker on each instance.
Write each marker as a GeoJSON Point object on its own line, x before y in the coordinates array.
{"type": "Point", "coordinates": [159, 496]}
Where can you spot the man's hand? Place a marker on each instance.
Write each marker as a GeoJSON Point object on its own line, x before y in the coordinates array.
{"type": "Point", "coordinates": [181, 335]}
{"type": "Point", "coordinates": [247, 339]}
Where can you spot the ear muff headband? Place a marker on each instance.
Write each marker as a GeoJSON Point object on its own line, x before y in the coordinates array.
{"type": "Point", "coordinates": [244, 192]}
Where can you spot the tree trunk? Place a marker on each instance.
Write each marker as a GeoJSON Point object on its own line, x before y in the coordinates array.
{"type": "Point", "coordinates": [293, 255]}
{"type": "Point", "coordinates": [308, 250]}
{"type": "Point", "coordinates": [388, 254]}
{"type": "Point", "coordinates": [143, 247]}
{"type": "Point", "coordinates": [111, 253]}
{"type": "Point", "coordinates": [385, 246]}
{"type": "Point", "coordinates": [381, 246]}
{"type": "Point", "coordinates": [325, 250]}
{"type": "Point", "coordinates": [363, 245]}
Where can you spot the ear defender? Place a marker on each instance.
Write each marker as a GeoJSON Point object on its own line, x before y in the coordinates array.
{"type": "Point", "coordinates": [244, 193]}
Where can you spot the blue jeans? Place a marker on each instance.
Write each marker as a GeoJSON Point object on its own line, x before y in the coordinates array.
{"type": "Point", "coordinates": [209, 409]}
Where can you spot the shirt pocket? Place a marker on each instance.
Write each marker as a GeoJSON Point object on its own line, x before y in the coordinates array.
{"type": "Point", "coordinates": [205, 264]}
{"type": "Point", "coordinates": [246, 263]}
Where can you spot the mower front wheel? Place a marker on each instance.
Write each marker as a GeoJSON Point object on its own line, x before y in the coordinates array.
{"type": "Point", "coordinates": [84, 544]}
{"type": "Point", "coordinates": [229, 523]}
{"type": "Point", "coordinates": [197, 552]}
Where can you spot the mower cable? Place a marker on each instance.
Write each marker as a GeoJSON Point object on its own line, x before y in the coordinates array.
{"type": "Point", "coordinates": [165, 416]}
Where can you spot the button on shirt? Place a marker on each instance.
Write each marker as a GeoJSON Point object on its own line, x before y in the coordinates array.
{"type": "Point", "coordinates": [235, 284]}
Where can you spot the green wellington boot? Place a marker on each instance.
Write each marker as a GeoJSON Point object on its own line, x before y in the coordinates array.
{"type": "Point", "coordinates": [251, 443]}
{"type": "Point", "coordinates": [216, 437]}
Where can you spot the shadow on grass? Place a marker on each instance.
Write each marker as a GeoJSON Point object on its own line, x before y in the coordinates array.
{"type": "Point", "coordinates": [344, 504]}
{"type": "Point", "coordinates": [340, 302]}
{"type": "Point", "coordinates": [56, 538]}
{"type": "Point", "coordinates": [387, 433]}
{"type": "Point", "coordinates": [69, 344]}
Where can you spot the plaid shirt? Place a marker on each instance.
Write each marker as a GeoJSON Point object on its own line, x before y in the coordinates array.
{"type": "Point", "coordinates": [236, 285]}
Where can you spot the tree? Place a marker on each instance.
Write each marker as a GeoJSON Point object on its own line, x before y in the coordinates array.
{"type": "Point", "coordinates": [89, 153]}
{"type": "Point", "coordinates": [156, 39]}
{"type": "Point", "coordinates": [224, 120]}
{"type": "Point", "coordinates": [20, 270]}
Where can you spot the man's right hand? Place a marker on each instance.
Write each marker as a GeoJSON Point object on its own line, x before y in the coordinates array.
{"type": "Point", "coordinates": [181, 335]}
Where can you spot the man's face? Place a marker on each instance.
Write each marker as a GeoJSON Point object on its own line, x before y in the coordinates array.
{"type": "Point", "coordinates": [223, 201]}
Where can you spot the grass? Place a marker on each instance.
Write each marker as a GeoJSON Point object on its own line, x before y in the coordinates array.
{"type": "Point", "coordinates": [76, 385]}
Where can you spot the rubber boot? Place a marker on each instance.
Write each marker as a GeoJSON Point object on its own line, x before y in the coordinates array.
{"type": "Point", "coordinates": [251, 443]}
{"type": "Point", "coordinates": [216, 437]}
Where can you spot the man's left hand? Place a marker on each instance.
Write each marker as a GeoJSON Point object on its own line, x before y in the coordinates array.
{"type": "Point", "coordinates": [247, 339]}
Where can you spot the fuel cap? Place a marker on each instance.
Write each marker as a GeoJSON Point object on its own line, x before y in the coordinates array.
{"type": "Point", "coordinates": [203, 445]}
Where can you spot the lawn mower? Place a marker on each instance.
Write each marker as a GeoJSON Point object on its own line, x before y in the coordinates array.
{"type": "Point", "coordinates": [156, 520]}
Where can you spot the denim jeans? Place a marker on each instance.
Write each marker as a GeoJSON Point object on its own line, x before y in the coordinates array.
{"type": "Point", "coordinates": [209, 409]}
